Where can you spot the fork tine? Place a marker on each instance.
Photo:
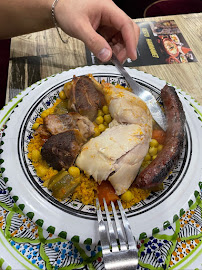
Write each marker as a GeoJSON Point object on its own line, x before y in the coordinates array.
{"type": "Point", "coordinates": [125, 258]}
{"type": "Point", "coordinates": [112, 236]}
{"type": "Point", "coordinates": [121, 237]}
{"type": "Point", "coordinates": [102, 230]}
{"type": "Point", "coordinates": [128, 232]}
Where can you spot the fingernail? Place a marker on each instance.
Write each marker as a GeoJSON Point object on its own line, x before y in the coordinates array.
{"type": "Point", "coordinates": [123, 62]}
{"type": "Point", "coordinates": [135, 54]}
{"type": "Point", "coordinates": [104, 55]}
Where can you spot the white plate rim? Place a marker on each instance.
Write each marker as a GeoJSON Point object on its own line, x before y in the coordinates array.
{"type": "Point", "coordinates": [73, 231]}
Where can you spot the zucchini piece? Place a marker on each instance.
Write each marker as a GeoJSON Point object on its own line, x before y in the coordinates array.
{"type": "Point", "coordinates": [65, 186]}
{"type": "Point", "coordinates": [57, 178]}
{"type": "Point", "coordinates": [61, 108]}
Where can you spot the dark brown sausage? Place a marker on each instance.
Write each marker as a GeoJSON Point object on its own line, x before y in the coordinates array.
{"type": "Point", "coordinates": [161, 166]}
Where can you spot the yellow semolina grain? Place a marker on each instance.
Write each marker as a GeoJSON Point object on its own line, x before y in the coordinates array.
{"type": "Point", "coordinates": [139, 195]}
{"type": "Point", "coordinates": [35, 144]}
{"type": "Point", "coordinates": [39, 120]}
{"type": "Point", "coordinates": [86, 192]}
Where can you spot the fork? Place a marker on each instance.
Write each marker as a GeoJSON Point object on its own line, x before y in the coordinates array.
{"type": "Point", "coordinates": [121, 253]}
{"type": "Point", "coordinates": [145, 95]}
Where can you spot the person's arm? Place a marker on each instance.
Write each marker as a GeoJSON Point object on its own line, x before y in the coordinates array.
{"type": "Point", "coordinates": [82, 19]}
{"type": "Point", "coordinates": [18, 17]}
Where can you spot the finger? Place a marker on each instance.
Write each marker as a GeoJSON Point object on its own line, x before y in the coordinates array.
{"type": "Point", "coordinates": [107, 32]}
{"type": "Point", "coordinates": [120, 52]}
{"type": "Point", "coordinates": [122, 55]}
{"type": "Point", "coordinates": [116, 48]}
{"type": "Point", "coordinates": [129, 30]}
{"type": "Point", "coordinates": [130, 37]}
{"type": "Point", "coordinates": [119, 48]}
{"type": "Point", "coordinates": [131, 40]}
{"type": "Point", "coordinates": [95, 43]}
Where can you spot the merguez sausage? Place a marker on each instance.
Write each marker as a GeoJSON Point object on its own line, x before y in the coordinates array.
{"type": "Point", "coordinates": [161, 166]}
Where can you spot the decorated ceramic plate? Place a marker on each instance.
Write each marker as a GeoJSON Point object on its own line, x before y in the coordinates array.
{"type": "Point", "coordinates": [71, 218]}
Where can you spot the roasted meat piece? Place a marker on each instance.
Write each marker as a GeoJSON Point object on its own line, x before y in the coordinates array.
{"type": "Point", "coordinates": [118, 152]}
{"type": "Point", "coordinates": [61, 150]}
{"type": "Point", "coordinates": [60, 123]}
{"type": "Point", "coordinates": [43, 132]}
{"type": "Point", "coordinates": [83, 97]}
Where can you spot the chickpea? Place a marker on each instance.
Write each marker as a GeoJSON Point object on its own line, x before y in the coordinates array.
{"type": "Point", "coordinates": [36, 155]}
{"type": "Point", "coordinates": [41, 171]}
{"type": "Point", "coordinates": [160, 147]}
{"type": "Point", "coordinates": [107, 118]}
{"type": "Point", "coordinates": [62, 95]}
{"type": "Point", "coordinates": [153, 143]}
{"type": "Point", "coordinates": [105, 109]}
{"type": "Point", "coordinates": [35, 126]}
{"type": "Point", "coordinates": [147, 163]}
{"type": "Point", "coordinates": [99, 120]}
{"type": "Point", "coordinates": [44, 114]}
{"type": "Point", "coordinates": [49, 111]}
{"type": "Point", "coordinates": [100, 113]}
{"type": "Point", "coordinates": [127, 196]}
{"type": "Point", "coordinates": [147, 157]}
{"type": "Point", "coordinates": [74, 171]}
{"type": "Point", "coordinates": [154, 157]}
{"type": "Point", "coordinates": [68, 86]}
{"type": "Point", "coordinates": [97, 131]}
{"type": "Point", "coordinates": [152, 151]}
{"type": "Point", "coordinates": [101, 127]}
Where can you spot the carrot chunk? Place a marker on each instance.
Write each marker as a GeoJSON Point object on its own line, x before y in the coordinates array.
{"type": "Point", "coordinates": [106, 190]}
{"type": "Point", "coordinates": [159, 135]}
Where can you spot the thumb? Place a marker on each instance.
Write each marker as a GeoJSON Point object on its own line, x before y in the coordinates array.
{"type": "Point", "coordinates": [96, 44]}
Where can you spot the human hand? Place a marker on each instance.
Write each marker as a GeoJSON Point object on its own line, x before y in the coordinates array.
{"type": "Point", "coordinates": [101, 25]}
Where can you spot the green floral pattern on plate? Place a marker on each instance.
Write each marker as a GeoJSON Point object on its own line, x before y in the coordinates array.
{"type": "Point", "coordinates": [165, 250]}
{"type": "Point", "coordinates": [177, 246]}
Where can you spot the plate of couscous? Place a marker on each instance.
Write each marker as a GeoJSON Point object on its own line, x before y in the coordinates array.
{"type": "Point", "coordinates": [58, 156]}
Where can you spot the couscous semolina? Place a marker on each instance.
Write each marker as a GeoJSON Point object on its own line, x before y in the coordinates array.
{"type": "Point", "coordinates": [87, 190]}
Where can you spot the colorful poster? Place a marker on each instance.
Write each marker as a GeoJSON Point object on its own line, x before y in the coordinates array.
{"type": "Point", "coordinates": [160, 43]}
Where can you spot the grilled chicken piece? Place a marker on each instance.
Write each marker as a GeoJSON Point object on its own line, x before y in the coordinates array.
{"type": "Point", "coordinates": [61, 150]}
{"type": "Point", "coordinates": [127, 108]}
{"type": "Point", "coordinates": [60, 123]}
{"type": "Point", "coordinates": [83, 97]}
{"type": "Point", "coordinates": [118, 152]}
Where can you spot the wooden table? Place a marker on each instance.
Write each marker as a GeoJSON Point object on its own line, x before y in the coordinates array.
{"type": "Point", "coordinates": [42, 54]}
